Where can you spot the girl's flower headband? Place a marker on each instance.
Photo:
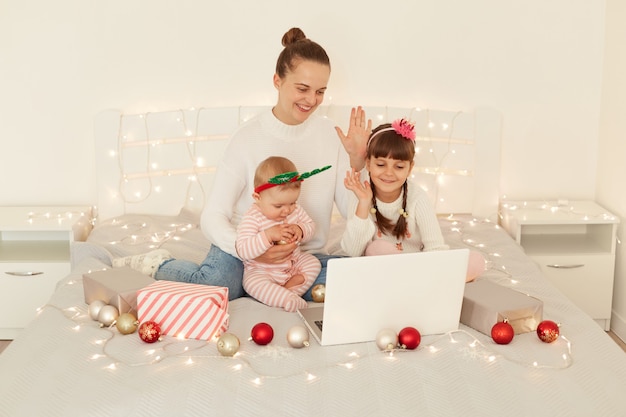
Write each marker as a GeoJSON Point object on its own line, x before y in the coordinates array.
{"type": "Point", "coordinates": [287, 177]}
{"type": "Point", "coordinates": [402, 127]}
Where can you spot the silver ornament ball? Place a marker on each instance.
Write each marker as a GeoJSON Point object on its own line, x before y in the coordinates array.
{"type": "Point", "coordinates": [107, 315]}
{"type": "Point", "coordinates": [386, 339]}
{"type": "Point", "coordinates": [298, 337]}
{"type": "Point", "coordinates": [94, 308]}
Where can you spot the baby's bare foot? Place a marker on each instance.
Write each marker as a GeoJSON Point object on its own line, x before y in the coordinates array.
{"type": "Point", "coordinates": [294, 281]}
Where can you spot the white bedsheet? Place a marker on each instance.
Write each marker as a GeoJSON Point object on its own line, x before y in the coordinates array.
{"type": "Point", "coordinates": [64, 364]}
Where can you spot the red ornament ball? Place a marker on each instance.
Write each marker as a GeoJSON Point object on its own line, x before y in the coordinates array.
{"type": "Point", "coordinates": [502, 332]}
{"type": "Point", "coordinates": [262, 333]}
{"type": "Point", "coordinates": [409, 338]}
{"type": "Point", "coordinates": [149, 331]}
{"type": "Point", "coordinates": [548, 331]}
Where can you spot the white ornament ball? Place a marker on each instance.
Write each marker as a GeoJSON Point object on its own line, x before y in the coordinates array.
{"type": "Point", "coordinates": [107, 315]}
{"type": "Point", "coordinates": [386, 339]}
{"type": "Point", "coordinates": [298, 337]}
{"type": "Point", "coordinates": [94, 308]}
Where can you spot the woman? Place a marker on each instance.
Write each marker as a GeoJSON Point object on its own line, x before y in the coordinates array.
{"type": "Point", "coordinates": [289, 129]}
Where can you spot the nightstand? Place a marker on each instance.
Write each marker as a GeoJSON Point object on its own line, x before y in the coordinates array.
{"type": "Point", "coordinates": [574, 244]}
{"type": "Point", "coordinates": [34, 256]}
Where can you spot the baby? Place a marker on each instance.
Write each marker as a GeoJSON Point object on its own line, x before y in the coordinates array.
{"type": "Point", "coordinates": [275, 218]}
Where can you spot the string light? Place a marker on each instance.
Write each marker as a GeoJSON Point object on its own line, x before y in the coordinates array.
{"type": "Point", "coordinates": [188, 137]}
{"type": "Point", "coordinates": [555, 207]}
{"type": "Point", "coordinates": [440, 166]}
{"type": "Point", "coordinates": [33, 217]}
{"type": "Point", "coordinates": [130, 181]}
{"type": "Point", "coordinates": [192, 352]}
{"type": "Point", "coordinates": [142, 233]}
{"type": "Point", "coordinates": [137, 186]}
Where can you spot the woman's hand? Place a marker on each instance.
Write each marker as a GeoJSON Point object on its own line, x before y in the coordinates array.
{"type": "Point", "coordinates": [277, 254]}
{"type": "Point", "coordinates": [355, 142]}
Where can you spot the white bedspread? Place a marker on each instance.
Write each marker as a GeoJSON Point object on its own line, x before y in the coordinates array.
{"type": "Point", "coordinates": [64, 364]}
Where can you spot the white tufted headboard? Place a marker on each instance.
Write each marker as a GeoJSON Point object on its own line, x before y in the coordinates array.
{"type": "Point", "coordinates": [160, 162]}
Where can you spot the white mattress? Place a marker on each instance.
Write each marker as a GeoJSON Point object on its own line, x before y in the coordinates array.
{"type": "Point", "coordinates": [64, 364]}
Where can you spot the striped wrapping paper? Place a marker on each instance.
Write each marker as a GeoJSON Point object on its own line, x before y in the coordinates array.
{"type": "Point", "coordinates": [191, 311]}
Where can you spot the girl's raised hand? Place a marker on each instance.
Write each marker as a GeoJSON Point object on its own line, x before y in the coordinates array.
{"type": "Point", "coordinates": [355, 141]}
{"type": "Point", "coordinates": [362, 190]}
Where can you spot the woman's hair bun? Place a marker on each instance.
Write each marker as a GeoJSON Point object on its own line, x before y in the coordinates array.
{"type": "Point", "coordinates": [293, 35]}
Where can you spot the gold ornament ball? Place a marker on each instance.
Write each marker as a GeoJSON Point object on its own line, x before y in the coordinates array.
{"type": "Point", "coordinates": [228, 344]}
{"type": "Point", "coordinates": [126, 323]}
{"type": "Point", "coordinates": [94, 308]}
{"type": "Point", "coordinates": [107, 315]}
{"type": "Point", "coordinates": [298, 337]}
{"type": "Point", "coordinates": [318, 293]}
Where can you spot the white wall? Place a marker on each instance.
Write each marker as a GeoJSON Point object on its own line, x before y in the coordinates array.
{"type": "Point", "coordinates": [538, 62]}
{"type": "Point", "coordinates": [612, 148]}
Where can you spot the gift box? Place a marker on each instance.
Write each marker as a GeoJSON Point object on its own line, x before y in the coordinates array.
{"type": "Point", "coordinates": [191, 311]}
{"type": "Point", "coordinates": [486, 303]}
{"type": "Point", "coordinates": [115, 286]}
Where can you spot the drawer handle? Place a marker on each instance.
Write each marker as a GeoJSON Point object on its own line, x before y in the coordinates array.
{"type": "Point", "coordinates": [565, 266]}
{"type": "Point", "coordinates": [24, 273]}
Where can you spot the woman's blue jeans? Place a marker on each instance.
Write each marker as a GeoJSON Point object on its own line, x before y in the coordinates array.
{"type": "Point", "coordinates": [221, 269]}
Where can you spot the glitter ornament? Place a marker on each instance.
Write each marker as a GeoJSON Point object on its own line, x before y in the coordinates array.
{"type": "Point", "coordinates": [548, 331]}
{"type": "Point", "coordinates": [126, 323]}
{"type": "Point", "coordinates": [228, 344]}
{"type": "Point", "coordinates": [149, 331]}
{"type": "Point", "coordinates": [298, 336]}
{"type": "Point", "coordinates": [107, 315]}
{"type": "Point", "coordinates": [409, 338]}
{"type": "Point", "coordinates": [502, 332]}
{"type": "Point", "coordinates": [386, 339]}
{"type": "Point", "coordinates": [262, 333]}
{"type": "Point", "coordinates": [94, 308]}
{"type": "Point", "coordinates": [318, 293]}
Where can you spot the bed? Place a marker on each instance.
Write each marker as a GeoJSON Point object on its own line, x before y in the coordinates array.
{"type": "Point", "coordinates": [154, 172]}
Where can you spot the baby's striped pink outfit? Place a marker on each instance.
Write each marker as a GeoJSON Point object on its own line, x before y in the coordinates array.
{"type": "Point", "coordinates": [265, 281]}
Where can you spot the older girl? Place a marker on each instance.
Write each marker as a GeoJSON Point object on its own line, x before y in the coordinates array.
{"type": "Point", "coordinates": [389, 213]}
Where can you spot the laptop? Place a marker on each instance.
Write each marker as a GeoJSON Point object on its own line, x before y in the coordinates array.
{"type": "Point", "coordinates": [366, 294]}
